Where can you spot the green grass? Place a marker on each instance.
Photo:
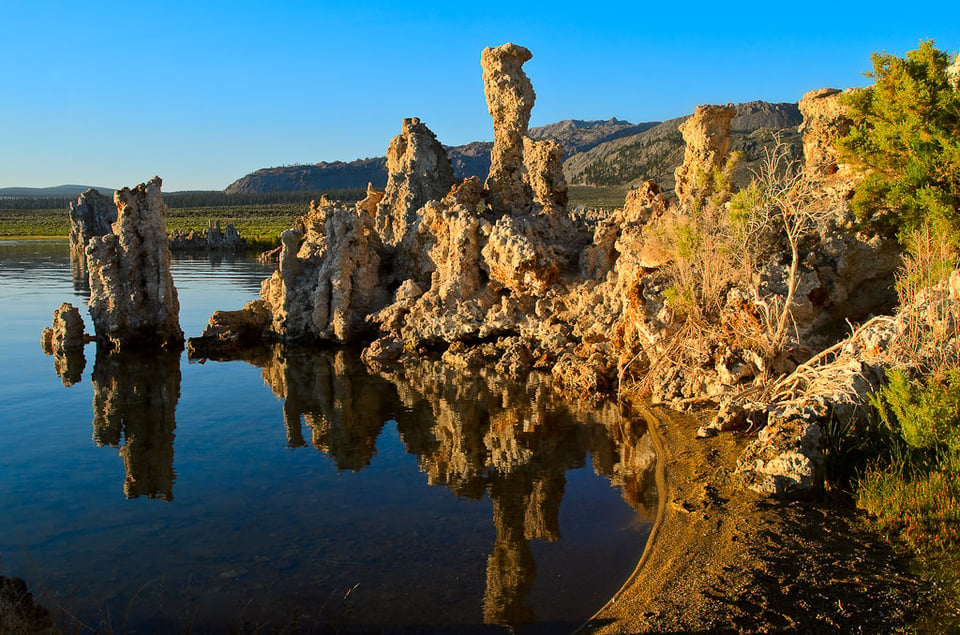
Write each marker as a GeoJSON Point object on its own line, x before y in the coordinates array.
{"type": "Point", "coordinates": [259, 224]}
{"type": "Point", "coordinates": [607, 197]}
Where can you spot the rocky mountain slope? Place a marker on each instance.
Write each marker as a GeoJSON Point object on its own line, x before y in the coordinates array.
{"type": "Point", "coordinates": [610, 152]}
{"type": "Point", "coordinates": [656, 152]}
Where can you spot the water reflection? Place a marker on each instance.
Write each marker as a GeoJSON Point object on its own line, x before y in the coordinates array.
{"type": "Point", "coordinates": [135, 398]}
{"type": "Point", "coordinates": [475, 435]}
{"type": "Point", "coordinates": [478, 435]}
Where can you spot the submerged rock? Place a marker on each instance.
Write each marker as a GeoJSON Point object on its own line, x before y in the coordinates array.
{"type": "Point", "coordinates": [133, 301]}
{"type": "Point", "coordinates": [65, 341]}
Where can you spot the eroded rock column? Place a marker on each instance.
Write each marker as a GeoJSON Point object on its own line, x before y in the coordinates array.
{"type": "Point", "coordinates": [133, 301]}
{"type": "Point", "coordinates": [824, 121]}
{"type": "Point", "coordinates": [707, 135]}
{"type": "Point", "coordinates": [92, 215]}
{"type": "Point", "coordinates": [418, 170]}
{"type": "Point", "coordinates": [510, 98]}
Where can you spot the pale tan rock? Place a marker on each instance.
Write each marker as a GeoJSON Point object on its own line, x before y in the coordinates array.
{"type": "Point", "coordinates": [824, 121]}
{"type": "Point", "coordinates": [92, 215]}
{"type": "Point", "coordinates": [510, 98]}
{"type": "Point", "coordinates": [518, 258]}
{"type": "Point", "coordinates": [133, 301]}
{"type": "Point", "coordinates": [370, 202]}
{"type": "Point", "coordinates": [707, 135]}
{"type": "Point", "coordinates": [65, 341]}
{"type": "Point", "coordinates": [418, 170]}
{"type": "Point", "coordinates": [543, 163]}
{"type": "Point", "coordinates": [329, 278]}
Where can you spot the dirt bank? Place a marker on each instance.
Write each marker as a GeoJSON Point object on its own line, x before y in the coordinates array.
{"type": "Point", "coordinates": [722, 559]}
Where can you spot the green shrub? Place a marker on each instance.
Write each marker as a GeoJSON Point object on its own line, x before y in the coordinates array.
{"type": "Point", "coordinates": [925, 415]}
{"type": "Point", "coordinates": [906, 137]}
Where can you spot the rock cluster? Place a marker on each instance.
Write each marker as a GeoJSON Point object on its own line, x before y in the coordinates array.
{"type": "Point", "coordinates": [707, 135]}
{"type": "Point", "coordinates": [92, 215]}
{"type": "Point", "coordinates": [502, 274]}
{"type": "Point", "coordinates": [212, 239]}
{"type": "Point", "coordinates": [133, 302]}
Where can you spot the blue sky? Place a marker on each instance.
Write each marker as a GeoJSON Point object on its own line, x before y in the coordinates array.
{"type": "Point", "coordinates": [201, 93]}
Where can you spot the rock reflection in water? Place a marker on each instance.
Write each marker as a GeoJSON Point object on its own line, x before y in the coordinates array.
{"type": "Point", "coordinates": [339, 403]}
{"type": "Point", "coordinates": [475, 435]}
{"type": "Point", "coordinates": [135, 397]}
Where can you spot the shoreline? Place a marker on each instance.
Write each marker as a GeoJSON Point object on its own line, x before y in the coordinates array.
{"type": "Point", "coordinates": [721, 558]}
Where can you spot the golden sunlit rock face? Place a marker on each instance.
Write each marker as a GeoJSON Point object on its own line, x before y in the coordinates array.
{"type": "Point", "coordinates": [133, 301]}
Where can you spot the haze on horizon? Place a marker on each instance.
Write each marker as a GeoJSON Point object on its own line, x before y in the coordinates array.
{"type": "Point", "coordinates": [111, 94]}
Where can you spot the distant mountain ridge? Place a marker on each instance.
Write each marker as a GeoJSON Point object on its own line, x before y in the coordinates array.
{"type": "Point", "coordinates": [600, 152]}
{"type": "Point", "coordinates": [656, 152]}
{"type": "Point", "coordinates": [472, 159]}
{"type": "Point", "coordinates": [58, 191]}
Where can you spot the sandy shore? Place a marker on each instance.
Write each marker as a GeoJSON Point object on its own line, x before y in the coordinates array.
{"type": "Point", "coordinates": [721, 559]}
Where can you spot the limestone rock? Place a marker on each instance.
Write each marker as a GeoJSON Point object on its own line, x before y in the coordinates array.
{"type": "Point", "coordinates": [510, 98]}
{"type": "Point", "coordinates": [543, 163]}
{"type": "Point", "coordinates": [65, 340]}
{"type": "Point", "coordinates": [133, 301]}
{"type": "Point", "coordinates": [329, 276]}
{"type": "Point", "coordinates": [518, 257]}
{"type": "Point", "coordinates": [232, 334]}
{"type": "Point", "coordinates": [785, 460]}
{"type": "Point", "coordinates": [419, 170]}
{"type": "Point", "coordinates": [707, 135]}
{"type": "Point", "coordinates": [92, 215]}
{"type": "Point", "coordinates": [212, 239]}
{"type": "Point", "coordinates": [824, 122]}
{"type": "Point", "coordinates": [371, 201]}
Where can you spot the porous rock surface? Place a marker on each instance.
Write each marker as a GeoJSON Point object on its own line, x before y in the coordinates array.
{"type": "Point", "coordinates": [65, 341]}
{"type": "Point", "coordinates": [707, 135]}
{"type": "Point", "coordinates": [419, 170]}
{"type": "Point", "coordinates": [503, 274]}
{"type": "Point", "coordinates": [824, 121]}
{"type": "Point", "coordinates": [133, 301]}
{"type": "Point", "coordinates": [329, 276]}
{"type": "Point", "coordinates": [510, 98]}
{"type": "Point", "coordinates": [91, 215]}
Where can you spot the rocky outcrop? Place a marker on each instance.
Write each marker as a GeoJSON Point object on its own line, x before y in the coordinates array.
{"type": "Point", "coordinates": [419, 171]}
{"type": "Point", "coordinates": [707, 135]}
{"type": "Point", "coordinates": [510, 98]}
{"type": "Point", "coordinates": [543, 163]}
{"type": "Point", "coordinates": [824, 122]}
{"type": "Point", "coordinates": [92, 215]}
{"type": "Point", "coordinates": [212, 239]}
{"type": "Point", "coordinates": [65, 341]}
{"type": "Point", "coordinates": [133, 301]}
{"type": "Point", "coordinates": [329, 276]}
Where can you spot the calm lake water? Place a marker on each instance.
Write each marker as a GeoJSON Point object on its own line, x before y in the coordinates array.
{"type": "Point", "coordinates": [297, 491]}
